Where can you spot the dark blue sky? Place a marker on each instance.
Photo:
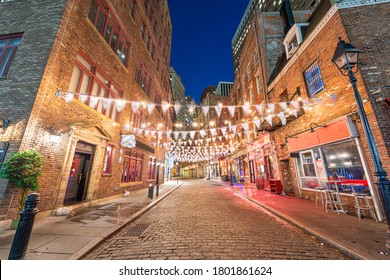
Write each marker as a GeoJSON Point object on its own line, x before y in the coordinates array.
{"type": "Point", "coordinates": [201, 41]}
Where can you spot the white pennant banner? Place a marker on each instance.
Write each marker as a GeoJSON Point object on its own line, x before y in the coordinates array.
{"type": "Point", "coordinates": [271, 106]}
{"type": "Point", "coordinates": [68, 96]}
{"type": "Point", "coordinates": [231, 110]}
{"type": "Point", "coordinates": [151, 108]}
{"type": "Point", "coordinates": [234, 128]}
{"type": "Point", "coordinates": [177, 107]}
{"type": "Point", "coordinates": [93, 101]}
{"type": "Point", "coordinates": [83, 97]}
{"type": "Point", "coordinates": [269, 120]}
{"type": "Point", "coordinates": [283, 105]}
{"type": "Point", "coordinates": [259, 109]}
{"type": "Point", "coordinates": [176, 134]}
{"type": "Point", "coordinates": [165, 106]}
{"type": "Point", "coordinates": [245, 126]}
{"type": "Point", "coordinates": [202, 133]}
{"type": "Point", "coordinates": [205, 110]}
{"type": "Point", "coordinates": [213, 130]}
{"type": "Point", "coordinates": [295, 104]}
{"type": "Point", "coordinates": [192, 134]}
{"type": "Point", "coordinates": [218, 109]}
{"type": "Point", "coordinates": [120, 104]}
{"type": "Point", "coordinates": [257, 123]}
{"type": "Point", "coordinates": [106, 103]}
{"type": "Point", "coordinates": [246, 108]}
{"type": "Point", "coordinates": [223, 130]}
{"type": "Point", "coordinates": [135, 106]}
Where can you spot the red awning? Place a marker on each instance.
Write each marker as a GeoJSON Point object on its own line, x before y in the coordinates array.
{"type": "Point", "coordinates": [332, 132]}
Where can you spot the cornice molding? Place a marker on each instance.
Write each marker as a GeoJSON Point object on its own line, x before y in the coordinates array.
{"type": "Point", "coordinates": [361, 3]}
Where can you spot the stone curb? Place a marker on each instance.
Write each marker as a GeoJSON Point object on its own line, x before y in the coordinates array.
{"type": "Point", "coordinates": [86, 249]}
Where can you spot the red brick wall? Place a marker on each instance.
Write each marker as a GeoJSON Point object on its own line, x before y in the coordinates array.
{"type": "Point", "coordinates": [52, 114]}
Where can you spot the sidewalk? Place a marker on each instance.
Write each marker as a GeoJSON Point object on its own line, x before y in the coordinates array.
{"type": "Point", "coordinates": [70, 237]}
{"type": "Point", "coordinates": [360, 239]}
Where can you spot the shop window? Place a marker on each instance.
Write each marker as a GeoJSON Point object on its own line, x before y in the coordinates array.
{"type": "Point", "coordinates": [108, 159]}
{"type": "Point", "coordinates": [108, 27]}
{"type": "Point", "coordinates": [343, 161]}
{"type": "Point", "coordinates": [314, 80]}
{"type": "Point", "coordinates": [8, 47]}
{"type": "Point", "coordinates": [336, 164]}
{"type": "Point", "coordinates": [132, 167]}
{"type": "Point", "coordinates": [101, 92]}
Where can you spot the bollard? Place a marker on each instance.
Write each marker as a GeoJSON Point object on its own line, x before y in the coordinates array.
{"type": "Point", "coordinates": [23, 232]}
{"type": "Point", "coordinates": [157, 189]}
{"type": "Point", "coordinates": [150, 191]}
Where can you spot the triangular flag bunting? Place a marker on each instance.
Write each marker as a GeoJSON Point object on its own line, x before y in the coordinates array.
{"type": "Point", "coordinates": [257, 123]}
{"type": "Point", "coordinates": [177, 107]}
{"type": "Point", "coordinates": [269, 119]}
{"type": "Point", "coordinates": [205, 110]}
{"type": "Point", "coordinates": [231, 110]}
{"type": "Point", "coordinates": [259, 109]}
{"type": "Point", "coordinates": [218, 109]}
{"type": "Point", "coordinates": [150, 108]}
{"type": "Point", "coordinates": [120, 104]}
{"type": "Point", "coordinates": [135, 106]}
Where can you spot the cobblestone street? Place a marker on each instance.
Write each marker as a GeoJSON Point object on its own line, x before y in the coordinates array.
{"type": "Point", "coordinates": [203, 220]}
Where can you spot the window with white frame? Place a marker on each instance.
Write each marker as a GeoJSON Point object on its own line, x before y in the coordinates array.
{"type": "Point", "coordinates": [8, 47]}
{"type": "Point", "coordinates": [249, 71]}
{"type": "Point", "coordinates": [313, 79]}
{"type": "Point", "coordinates": [101, 92]}
{"type": "Point", "coordinates": [104, 21]}
{"type": "Point", "coordinates": [142, 78]}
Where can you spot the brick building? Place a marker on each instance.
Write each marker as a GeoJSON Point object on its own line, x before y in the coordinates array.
{"type": "Point", "coordinates": [74, 85]}
{"type": "Point", "coordinates": [310, 134]}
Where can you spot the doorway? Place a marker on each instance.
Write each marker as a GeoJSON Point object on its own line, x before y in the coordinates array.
{"type": "Point", "coordinates": [76, 190]}
{"type": "Point", "coordinates": [286, 177]}
{"type": "Point", "coordinates": [252, 171]}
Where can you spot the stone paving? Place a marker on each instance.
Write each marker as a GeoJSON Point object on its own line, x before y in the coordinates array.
{"type": "Point", "coordinates": [203, 220]}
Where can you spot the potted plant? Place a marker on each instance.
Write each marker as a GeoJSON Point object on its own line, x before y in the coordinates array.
{"type": "Point", "coordinates": [23, 169]}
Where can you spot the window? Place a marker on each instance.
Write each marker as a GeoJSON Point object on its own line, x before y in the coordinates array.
{"type": "Point", "coordinates": [8, 46]}
{"type": "Point", "coordinates": [132, 166]}
{"type": "Point", "coordinates": [133, 6]}
{"type": "Point", "coordinates": [256, 57]}
{"type": "Point", "coordinates": [152, 168]}
{"type": "Point", "coordinates": [3, 150]}
{"type": "Point", "coordinates": [336, 161]}
{"type": "Point", "coordinates": [108, 27]}
{"type": "Point", "coordinates": [137, 120]}
{"type": "Point", "coordinates": [108, 159]}
{"type": "Point", "coordinates": [249, 70]}
{"type": "Point", "coordinates": [314, 80]}
{"type": "Point", "coordinates": [142, 78]}
{"type": "Point", "coordinates": [87, 79]}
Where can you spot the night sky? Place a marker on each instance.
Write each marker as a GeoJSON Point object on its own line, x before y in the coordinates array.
{"type": "Point", "coordinates": [201, 41]}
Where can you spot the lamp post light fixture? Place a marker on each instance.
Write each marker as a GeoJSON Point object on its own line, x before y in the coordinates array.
{"type": "Point", "coordinates": [345, 58]}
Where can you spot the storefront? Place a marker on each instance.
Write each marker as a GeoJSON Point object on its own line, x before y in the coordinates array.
{"type": "Point", "coordinates": [263, 164]}
{"type": "Point", "coordinates": [332, 156]}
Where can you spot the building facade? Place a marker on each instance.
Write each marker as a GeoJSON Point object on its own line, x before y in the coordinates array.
{"type": "Point", "coordinates": [79, 71]}
{"type": "Point", "coordinates": [309, 134]}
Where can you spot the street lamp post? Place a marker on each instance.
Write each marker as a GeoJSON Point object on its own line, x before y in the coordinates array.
{"type": "Point", "coordinates": [345, 58]}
